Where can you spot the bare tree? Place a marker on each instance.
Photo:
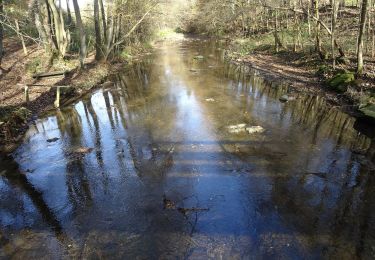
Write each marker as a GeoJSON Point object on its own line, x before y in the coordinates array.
{"type": "Point", "coordinates": [362, 26]}
{"type": "Point", "coordinates": [335, 7]}
{"type": "Point", "coordinates": [98, 38]}
{"type": "Point", "coordinates": [60, 35]}
{"type": "Point", "coordinates": [82, 34]}
{"type": "Point", "coordinates": [1, 32]}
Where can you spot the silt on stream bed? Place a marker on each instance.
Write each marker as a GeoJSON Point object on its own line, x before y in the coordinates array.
{"type": "Point", "coordinates": [148, 169]}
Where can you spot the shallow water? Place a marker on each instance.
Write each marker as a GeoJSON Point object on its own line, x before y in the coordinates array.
{"type": "Point", "coordinates": [148, 169]}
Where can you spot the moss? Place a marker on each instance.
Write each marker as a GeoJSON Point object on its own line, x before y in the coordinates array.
{"type": "Point", "coordinates": [341, 81]}
{"type": "Point", "coordinates": [126, 54]}
{"type": "Point", "coordinates": [323, 71]}
{"type": "Point", "coordinates": [368, 110]}
{"type": "Point", "coordinates": [179, 30]}
{"type": "Point", "coordinates": [34, 66]}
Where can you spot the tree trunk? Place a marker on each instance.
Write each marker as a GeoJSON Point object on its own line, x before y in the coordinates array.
{"type": "Point", "coordinates": [318, 46]}
{"type": "Point", "coordinates": [104, 21]}
{"type": "Point", "coordinates": [82, 34]}
{"type": "Point", "coordinates": [109, 38]}
{"type": "Point", "coordinates": [373, 35]}
{"type": "Point", "coordinates": [69, 15]}
{"type": "Point", "coordinates": [308, 19]}
{"type": "Point", "coordinates": [368, 27]}
{"type": "Point", "coordinates": [62, 38]}
{"type": "Point", "coordinates": [1, 32]}
{"type": "Point", "coordinates": [335, 6]}
{"type": "Point", "coordinates": [276, 35]}
{"type": "Point", "coordinates": [362, 27]}
{"type": "Point", "coordinates": [98, 38]}
{"type": "Point", "coordinates": [117, 35]}
{"type": "Point", "coordinates": [47, 23]}
{"type": "Point", "coordinates": [21, 37]}
{"type": "Point", "coordinates": [295, 29]}
{"type": "Point", "coordinates": [39, 24]}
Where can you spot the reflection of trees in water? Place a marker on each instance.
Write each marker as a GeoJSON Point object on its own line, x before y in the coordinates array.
{"type": "Point", "coordinates": [19, 180]}
{"type": "Point", "coordinates": [135, 81]}
{"type": "Point", "coordinates": [324, 201]}
{"type": "Point", "coordinates": [70, 125]}
{"type": "Point", "coordinates": [141, 145]}
{"type": "Point", "coordinates": [355, 215]}
{"type": "Point", "coordinates": [371, 151]}
{"type": "Point", "coordinates": [309, 111]}
{"type": "Point", "coordinates": [334, 207]}
{"type": "Point", "coordinates": [151, 163]}
{"type": "Point", "coordinates": [367, 129]}
{"type": "Point", "coordinates": [326, 121]}
{"type": "Point", "coordinates": [96, 132]}
{"type": "Point", "coordinates": [108, 108]}
{"type": "Point", "coordinates": [249, 81]}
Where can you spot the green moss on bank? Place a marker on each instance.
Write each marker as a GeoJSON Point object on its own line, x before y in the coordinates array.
{"type": "Point", "coordinates": [341, 81]}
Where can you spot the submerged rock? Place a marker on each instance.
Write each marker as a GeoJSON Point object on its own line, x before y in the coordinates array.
{"type": "Point", "coordinates": [199, 57]}
{"type": "Point", "coordinates": [52, 140]}
{"type": "Point", "coordinates": [83, 150]}
{"type": "Point", "coordinates": [235, 129]}
{"type": "Point", "coordinates": [255, 129]}
{"type": "Point", "coordinates": [287, 98]}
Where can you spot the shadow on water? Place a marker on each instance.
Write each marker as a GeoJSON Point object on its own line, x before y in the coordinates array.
{"type": "Point", "coordinates": [303, 188]}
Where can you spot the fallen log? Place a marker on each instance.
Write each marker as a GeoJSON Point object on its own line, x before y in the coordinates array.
{"type": "Point", "coordinates": [50, 74]}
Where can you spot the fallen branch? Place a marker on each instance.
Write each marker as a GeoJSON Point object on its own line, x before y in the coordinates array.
{"type": "Point", "coordinates": [49, 74]}
{"type": "Point", "coordinates": [20, 34]}
{"type": "Point", "coordinates": [187, 210]}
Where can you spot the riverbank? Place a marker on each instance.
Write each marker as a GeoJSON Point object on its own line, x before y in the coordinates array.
{"type": "Point", "coordinates": [16, 114]}
{"type": "Point", "coordinates": [305, 72]}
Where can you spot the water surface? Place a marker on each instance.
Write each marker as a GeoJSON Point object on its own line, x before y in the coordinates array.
{"type": "Point", "coordinates": [148, 169]}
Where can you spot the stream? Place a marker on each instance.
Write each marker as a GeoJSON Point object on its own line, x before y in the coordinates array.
{"type": "Point", "coordinates": [148, 169]}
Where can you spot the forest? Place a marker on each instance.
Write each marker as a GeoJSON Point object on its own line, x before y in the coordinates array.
{"type": "Point", "coordinates": [334, 29]}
